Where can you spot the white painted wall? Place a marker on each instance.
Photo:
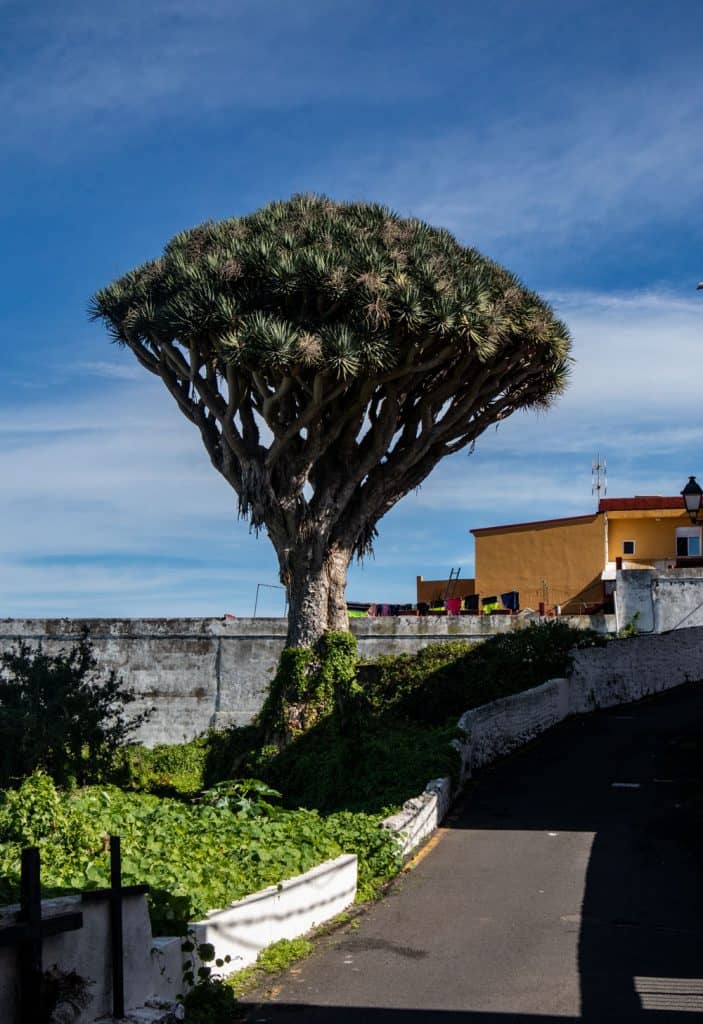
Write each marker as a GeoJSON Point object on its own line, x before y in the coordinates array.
{"type": "Point", "coordinates": [152, 967]}
{"type": "Point", "coordinates": [659, 600]}
{"type": "Point", "coordinates": [286, 911]}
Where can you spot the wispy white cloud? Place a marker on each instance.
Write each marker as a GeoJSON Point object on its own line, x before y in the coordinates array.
{"type": "Point", "coordinates": [149, 61]}
{"type": "Point", "coordinates": [622, 155]}
{"type": "Point", "coordinates": [103, 368]}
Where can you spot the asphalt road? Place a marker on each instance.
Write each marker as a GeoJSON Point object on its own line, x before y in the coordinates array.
{"type": "Point", "coordinates": [567, 886]}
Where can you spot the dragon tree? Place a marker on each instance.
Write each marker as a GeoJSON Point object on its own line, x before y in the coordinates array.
{"type": "Point", "coordinates": [330, 354]}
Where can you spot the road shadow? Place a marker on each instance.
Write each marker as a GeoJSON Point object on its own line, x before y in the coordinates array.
{"type": "Point", "coordinates": [624, 775]}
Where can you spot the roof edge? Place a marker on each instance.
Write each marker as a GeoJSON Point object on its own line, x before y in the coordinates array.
{"type": "Point", "coordinates": [536, 522]}
{"type": "Point", "coordinates": [640, 503]}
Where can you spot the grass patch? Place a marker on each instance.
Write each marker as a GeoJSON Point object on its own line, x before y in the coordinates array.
{"type": "Point", "coordinates": [275, 958]}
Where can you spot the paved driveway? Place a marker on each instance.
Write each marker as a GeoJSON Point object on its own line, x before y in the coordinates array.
{"type": "Point", "coordinates": [567, 886]}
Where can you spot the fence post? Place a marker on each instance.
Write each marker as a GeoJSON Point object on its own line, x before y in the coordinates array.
{"type": "Point", "coordinates": [30, 947]}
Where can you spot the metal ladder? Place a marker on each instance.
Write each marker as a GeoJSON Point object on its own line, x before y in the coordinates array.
{"type": "Point", "coordinates": [451, 583]}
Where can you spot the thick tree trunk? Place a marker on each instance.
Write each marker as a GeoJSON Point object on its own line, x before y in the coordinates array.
{"type": "Point", "coordinates": [316, 584]}
{"type": "Point", "coordinates": [337, 565]}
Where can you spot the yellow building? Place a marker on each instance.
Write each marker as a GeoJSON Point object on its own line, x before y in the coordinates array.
{"type": "Point", "coordinates": [570, 563]}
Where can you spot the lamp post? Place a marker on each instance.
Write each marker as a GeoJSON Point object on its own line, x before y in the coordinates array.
{"type": "Point", "coordinates": [692, 495]}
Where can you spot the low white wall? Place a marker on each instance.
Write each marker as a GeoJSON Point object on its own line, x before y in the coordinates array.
{"type": "Point", "coordinates": [153, 967]}
{"type": "Point", "coordinates": [659, 600]}
{"type": "Point", "coordinates": [630, 669]}
{"type": "Point", "coordinates": [421, 815]}
{"type": "Point", "coordinates": [495, 729]}
{"type": "Point", "coordinates": [285, 911]}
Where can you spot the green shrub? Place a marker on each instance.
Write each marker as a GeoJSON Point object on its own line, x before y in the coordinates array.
{"type": "Point", "coordinates": [211, 1002]}
{"type": "Point", "coordinates": [390, 679]}
{"type": "Point", "coordinates": [167, 770]}
{"type": "Point", "coordinates": [375, 770]}
{"type": "Point", "coordinates": [195, 857]}
{"type": "Point", "coordinates": [442, 681]}
{"type": "Point", "coordinates": [36, 813]}
{"type": "Point", "coordinates": [61, 714]}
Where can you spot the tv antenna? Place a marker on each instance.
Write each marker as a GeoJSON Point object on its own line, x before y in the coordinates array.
{"type": "Point", "coordinates": [599, 477]}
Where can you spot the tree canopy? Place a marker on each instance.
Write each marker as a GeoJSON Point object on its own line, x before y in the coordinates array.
{"type": "Point", "coordinates": [330, 355]}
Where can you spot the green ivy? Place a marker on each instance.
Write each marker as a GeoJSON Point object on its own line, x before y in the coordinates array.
{"type": "Point", "coordinates": [308, 685]}
{"type": "Point", "coordinates": [195, 857]}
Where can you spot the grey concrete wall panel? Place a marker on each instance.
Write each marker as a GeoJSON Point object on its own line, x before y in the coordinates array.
{"type": "Point", "coordinates": [633, 599]}
{"type": "Point", "coordinates": [663, 600]}
{"type": "Point", "coordinates": [203, 673]}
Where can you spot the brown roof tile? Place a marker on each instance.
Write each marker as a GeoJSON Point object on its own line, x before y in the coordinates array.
{"type": "Point", "coordinates": [639, 503]}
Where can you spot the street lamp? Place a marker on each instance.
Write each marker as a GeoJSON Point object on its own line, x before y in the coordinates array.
{"type": "Point", "coordinates": [692, 495]}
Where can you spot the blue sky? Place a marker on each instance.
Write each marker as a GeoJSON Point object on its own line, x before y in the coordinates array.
{"type": "Point", "coordinates": [563, 139]}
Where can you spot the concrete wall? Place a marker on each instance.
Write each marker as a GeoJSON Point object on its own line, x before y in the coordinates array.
{"type": "Point", "coordinates": [202, 673]}
{"type": "Point", "coordinates": [662, 600]}
{"type": "Point", "coordinates": [152, 968]}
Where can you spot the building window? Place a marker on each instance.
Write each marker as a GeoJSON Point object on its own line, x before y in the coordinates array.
{"type": "Point", "coordinates": [628, 547]}
{"type": "Point", "coordinates": [688, 542]}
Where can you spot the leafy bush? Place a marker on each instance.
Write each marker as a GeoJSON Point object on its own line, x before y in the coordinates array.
{"type": "Point", "coordinates": [444, 680]}
{"type": "Point", "coordinates": [374, 770]}
{"type": "Point", "coordinates": [59, 714]}
{"type": "Point", "coordinates": [212, 1002]}
{"type": "Point", "coordinates": [390, 679]}
{"type": "Point", "coordinates": [167, 770]}
{"type": "Point", "coordinates": [196, 857]}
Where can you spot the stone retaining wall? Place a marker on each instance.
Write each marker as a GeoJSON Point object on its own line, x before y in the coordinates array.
{"type": "Point", "coordinates": [202, 673]}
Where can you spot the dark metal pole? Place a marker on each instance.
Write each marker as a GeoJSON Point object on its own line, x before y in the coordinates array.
{"type": "Point", "coordinates": [116, 928]}
{"type": "Point", "coordinates": [30, 948]}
